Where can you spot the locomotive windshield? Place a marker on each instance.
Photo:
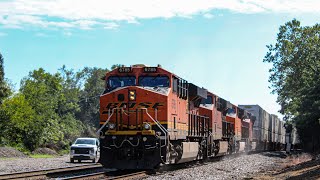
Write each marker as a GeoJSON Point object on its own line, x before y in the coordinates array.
{"type": "Point", "coordinates": [117, 81]}
{"type": "Point", "coordinates": [154, 81]}
{"type": "Point", "coordinates": [209, 100]}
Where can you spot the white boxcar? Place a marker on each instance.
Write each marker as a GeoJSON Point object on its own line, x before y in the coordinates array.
{"type": "Point", "coordinates": [261, 125]}
{"type": "Point", "coordinates": [279, 131]}
{"type": "Point", "coordinates": [283, 133]}
{"type": "Point", "coordinates": [275, 128]}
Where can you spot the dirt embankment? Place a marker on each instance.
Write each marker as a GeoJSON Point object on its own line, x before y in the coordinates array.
{"type": "Point", "coordinates": [9, 152]}
{"type": "Point", "coordinates": [295, 167]}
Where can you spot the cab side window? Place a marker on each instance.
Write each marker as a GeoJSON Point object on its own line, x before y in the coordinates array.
{"type": "Point", "coordinates": [175, 85]}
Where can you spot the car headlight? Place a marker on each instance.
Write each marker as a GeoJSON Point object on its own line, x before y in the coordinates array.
{"type": "Point", "coordinates": [72, 152]}
{"type": "Point", "coordinates": [112, 126]}
{"type": "Point", "coordinates": [91, 151]}
{"type": "Point", "coordinates": [147, 126]}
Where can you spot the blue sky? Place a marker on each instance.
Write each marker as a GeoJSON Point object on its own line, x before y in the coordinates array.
{"type": "Point", "coordinates": [214, 44]}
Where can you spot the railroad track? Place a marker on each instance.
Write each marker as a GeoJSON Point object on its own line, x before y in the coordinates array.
{"type": "Point", "coordinates": [50, 173]}
{"type": "Point", "coordinates": [105, 175]}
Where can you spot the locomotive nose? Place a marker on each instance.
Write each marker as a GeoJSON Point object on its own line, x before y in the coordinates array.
{"type": "Point", "coordinates": [120, 97]}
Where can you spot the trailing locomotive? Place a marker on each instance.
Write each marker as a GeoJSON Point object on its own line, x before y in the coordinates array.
{"type": "Point", "coordinates": [150, 116]}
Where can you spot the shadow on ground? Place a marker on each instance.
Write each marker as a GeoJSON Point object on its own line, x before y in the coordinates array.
{"type": "Point", "coordinates": [306, 170]}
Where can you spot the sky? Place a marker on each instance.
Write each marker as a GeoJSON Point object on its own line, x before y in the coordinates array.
{"type": "Point", "coordinates": [215, 44]}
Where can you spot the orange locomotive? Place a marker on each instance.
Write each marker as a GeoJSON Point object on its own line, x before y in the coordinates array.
{"type": "Point", "coordinates": [150, 116]}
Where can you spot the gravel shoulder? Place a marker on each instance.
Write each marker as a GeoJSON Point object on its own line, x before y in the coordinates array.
{"type": "Point", "coordinates": [267, 165]}
{"type": "Point", "coordinates": [295, 168]}
{"type": "Point", "coordinates": [254, 166]}
{"type": "Point", "coordinates": [10, 165]}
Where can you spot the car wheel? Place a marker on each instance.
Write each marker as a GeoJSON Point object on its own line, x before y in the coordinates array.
{"type": "Point", "coordinates": [79, 161]}
{"type": "Point", "coordinates": [94, 160]}
{"type": "Point", "coordinates": [71, 160]}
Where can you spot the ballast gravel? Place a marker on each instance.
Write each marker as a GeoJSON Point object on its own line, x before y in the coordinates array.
{"type": "Point", "coordinates": [23, 164]}
{"type": "Point", "coordinates": [242, 167]}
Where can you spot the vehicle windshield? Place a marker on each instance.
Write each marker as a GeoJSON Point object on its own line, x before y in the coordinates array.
{"type": "Point", "coordinates": [85, 141]}
{"type": "Point", "coordinates": [154, 81]}
{"type": "Point", "coordinates": [117, 81]}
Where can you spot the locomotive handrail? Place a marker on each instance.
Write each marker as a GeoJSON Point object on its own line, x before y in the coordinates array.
{"type": "Point", "coordinates": [156, 121]}
{"type": "Point", "coordinates": [158, 124]}
{"type": "Point", "coordinates": [98, 132]}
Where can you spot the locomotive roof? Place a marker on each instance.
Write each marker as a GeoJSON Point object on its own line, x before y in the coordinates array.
{"type": "Point", "coordinates": [140, 66]}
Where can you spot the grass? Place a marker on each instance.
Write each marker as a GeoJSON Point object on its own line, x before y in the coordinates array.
{"type": "Point", "coordinates": [64, 152]}
{"type": "Point", "coordinates": [41, 156]}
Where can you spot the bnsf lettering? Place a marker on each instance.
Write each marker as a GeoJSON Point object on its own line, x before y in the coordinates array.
{"type": "Point", "coordinates": [132, 105]}
{"type": "Point", "coordinates": [156, 105]}
{"type": "Point", "coordinates": [144, 105]}
{"type": "Point", "coordinates": [112, 105]}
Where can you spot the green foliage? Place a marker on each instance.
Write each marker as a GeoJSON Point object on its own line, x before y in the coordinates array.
{"type": "Point", "coordinates": [52, 110]}
{"type": "Point", "coordinates": [18, 123]}
{"type": "Point", "coordinates": [43, 114]}
{"type": "Point", "coordinates": [4, 87]}
{"type": "Point", "coordinates": [89, 101]}
{"type": "Point", "coordinates": [43, 91]}
{"type": "Point", "coordinates": [295, 76]}
{"type": "Point", "coordinates": [115, 66]}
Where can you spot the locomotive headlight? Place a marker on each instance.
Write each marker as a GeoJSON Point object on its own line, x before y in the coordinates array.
{"type": "Point", "coordinates": [112, 126]}
{"type": "Point", "coordinates": [144, 139]}
{"type": "Point", "coordinates": [146, 126]}
{"type": "Point", "coordinates": [132, 95]}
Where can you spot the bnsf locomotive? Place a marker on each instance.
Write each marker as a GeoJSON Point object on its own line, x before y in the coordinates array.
{"type": "Point", "coordinates": [149, 116]}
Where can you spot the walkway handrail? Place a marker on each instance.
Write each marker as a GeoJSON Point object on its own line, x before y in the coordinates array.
{"type": "Point", "coordinates": [104, 124]}
{"type": "Point", "coordinates": [164, 130]}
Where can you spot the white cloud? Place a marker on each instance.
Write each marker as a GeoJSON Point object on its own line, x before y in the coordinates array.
{"type": "Point", "coordinates": [208, 16]}
{"type": "Point", "coordinates": [88, 14]}
{"type": "Point", "coordinates": [111, 25]}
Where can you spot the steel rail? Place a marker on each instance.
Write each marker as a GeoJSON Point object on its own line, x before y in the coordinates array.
{"type": "Point", "coordinates": [98, 175]}
{"type": "Point", "coordinates": [135, 175]}
{"type": "Point", "coordinates": [42, 174]}
{"type": "Point", "coordinates": [104, 175]}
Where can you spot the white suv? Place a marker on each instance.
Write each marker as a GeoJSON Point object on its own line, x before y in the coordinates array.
{"type": "Point", "coordinates": [84, 149]}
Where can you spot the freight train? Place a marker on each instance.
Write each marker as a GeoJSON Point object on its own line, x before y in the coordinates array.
{"type": "Point", "coordinates": [150, 116]}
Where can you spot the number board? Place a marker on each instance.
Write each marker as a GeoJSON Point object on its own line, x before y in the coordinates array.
{"type": "Point", "coordinates": [150, 69]}
{"type": "Point", "coordinates": [124, 69]}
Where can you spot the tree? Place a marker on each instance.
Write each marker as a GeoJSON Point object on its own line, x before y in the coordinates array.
{"type": "Point", "coordinates": [51, 97]}
{"type": "Point", "coordinates": [295, 77]}
{"type": "Point", "coordinates": [20, 127]}
{"type": "Point", "coordinates": [89, 100]}
{"type": "Point", "coordinates": [115, 66]}
{"type": "Point", "coordinates": [4, 87]}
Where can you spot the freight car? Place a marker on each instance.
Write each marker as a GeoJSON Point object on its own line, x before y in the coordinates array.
{"type": "Point", "coordinates": [150, 116]}
{"type": "Point", "coordinates": [268, 130]}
